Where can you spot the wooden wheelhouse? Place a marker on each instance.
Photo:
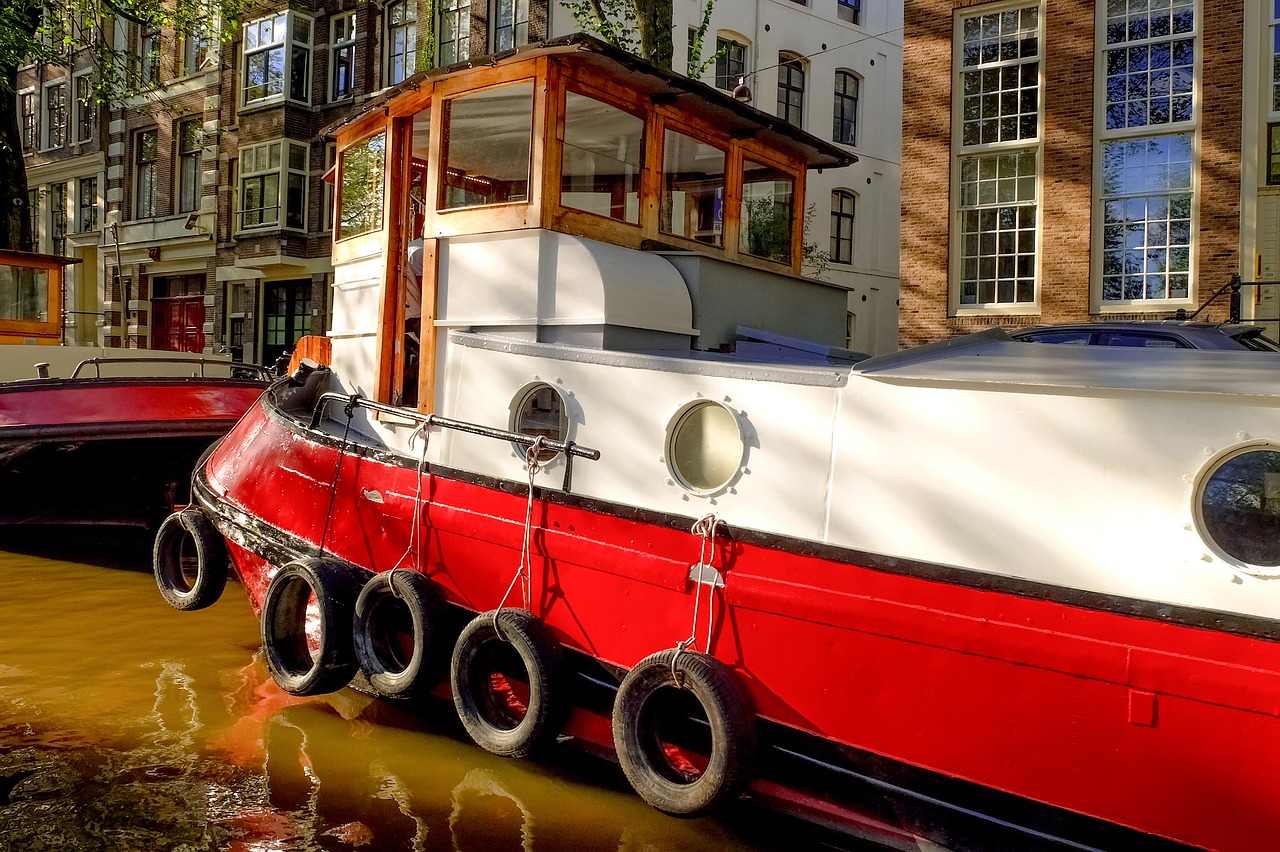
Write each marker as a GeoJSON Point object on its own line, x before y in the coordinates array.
{"type": "Point", "coordinates": [31, 297]}
{"type": "Point", "coordinates": [572, 137]}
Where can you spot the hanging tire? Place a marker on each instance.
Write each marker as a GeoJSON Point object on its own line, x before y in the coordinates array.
{"type": "Point", "coordinates": [399, 616]}
{"type": "Point", "coordinates": [686, 738]}
{"type": "Point", "coordinates": [189, 579]}
{"type": "Point", "coordinates": [509, 682]}
{"type": "Point", "coordinates": [323, 660]}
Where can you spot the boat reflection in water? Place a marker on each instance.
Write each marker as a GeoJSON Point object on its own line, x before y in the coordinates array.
{"type": "Point", "coordinates": [129, 726]}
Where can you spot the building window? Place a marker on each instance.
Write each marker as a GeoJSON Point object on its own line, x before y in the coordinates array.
{"type": "Point", "coordinates": [402, 40]}
{"type": "Point", "coordinates": [264, 170]}
{"type": "Point", "coordinates": [455, 31]}
{"type": "Point", "coordinates": [849, 10]}
{"type": "Point", "coordinates": [1273, 155]}
{"type": "Point", "coordinates": [190, 134]}
{"type": "Point", "coordinates": [731, 63]}
{"type": "Point", "coordinates": [342, 56]}
{"type": "Point", "coordinates": [88, 203]}
{"type": "Point", "coordinates": [55, 105]}
{"type": "Point", "coordinates": [693, 179]}
{"type": "Point", "coordinates": [843, 207]}
{"type": "Point", "coordinates": [998, 205]}
{"type": "Point", "coordinates": [510, 24]}
{"type": "Point", "coordinates": [1275, 57]}
{"type": "Point", "coordinates": [149, 56]}
{"type": "Point", "coordinates": [30, 122]}
{"type": "Point", "coordinates": [86, 108]}
{"type": "Point", "coordinates": [1147, 190]}
{"type": "Point", "coordinates": [58, 218]}
{"type": "Point", "coordinates": [277, 49]}
{"type": "Point", "coordinates": [144, 171]}
{"type": "Point", "coordinates": [845, 115]}
{"type": "Point", "coordinates": [196, 55]}
{"type": "Point", "coordinates": [790, 89]}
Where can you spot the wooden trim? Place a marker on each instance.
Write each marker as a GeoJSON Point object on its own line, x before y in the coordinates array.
{"type": "Point", "coordinates": [390, 346]}
{"type": "Point", "coordinates": [428, 336]}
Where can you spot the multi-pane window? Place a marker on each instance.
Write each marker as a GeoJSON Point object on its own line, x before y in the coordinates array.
{"type": "Point", "coordinates": [86, 108]}
{"type": "Point", "coordinates": [144, 173]}
{"type": "Point", "coordinates": [849, 10]}
{"type": "Point", "coordinates": [1147, 177]}
{"type": "Point", "coordinates": [1275, 56]}
{"type": "Point", "coordinates": [149, 56]}
{"type": "Point", "coordinates": [842, 212]}
{"type": "Point", "coordinates": [58, 218]}
{"type": "Point", "coordinates": [997, 215]}
{"type": "Point", "coordinates": [402, 40]}
{"type": "Point", "coordinates": [277, 58]}
{"type": "Point", "coordinates": [29, 106]}
{"type": "Point", "coordinates": [190, 135]}
{"type": "Point", "coordinates": [455, 29]}
{"type": "Point", "coordinates": [88, 204]}
{"type": "Point", "coordinates": [790, 89]}
{"type": "Point", "coordinates": [265, 171]}
{"type": "Point", "coordinates": [55, 105]}
{"type": "Point", "coordinates": [510, 24]}
{"type": "Point", "coordinates": [731, 63]}
{"type": "Point", "coordinates": [1273, 155]}
{"type": "Point", "coordinates": [845, 115]}
{"type": "Point", "coordinates": [342, 56]}
{"type": "Point", "coordinates": [195, 52]}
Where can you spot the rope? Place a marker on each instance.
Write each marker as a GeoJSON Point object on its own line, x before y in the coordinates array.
{"type": "Point", "coordinates": [524, 572]}
{"type": "Point", "coordinates": [705, 528]}
{"type": "Point", "coordinates": [350, 411]}
{"type": "Point", "coordinates": [415, 524]}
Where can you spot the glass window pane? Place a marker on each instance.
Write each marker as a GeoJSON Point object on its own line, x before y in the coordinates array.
{"type": "Point", "coordinates": [362, 172]}
{"type": "Point", "coordinates": [693, 176]}
{"type": "Point", "coordinates": [603, 158]}
{"type": "Point", "coordinates": [487, 147]}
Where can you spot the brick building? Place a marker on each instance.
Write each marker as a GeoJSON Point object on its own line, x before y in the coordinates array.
{"type": "Point", "coordinates": [1075, 161]}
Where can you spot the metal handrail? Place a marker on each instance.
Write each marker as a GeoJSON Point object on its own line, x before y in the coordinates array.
{"type": "Point", "coordinates": [97, 363]}
{"type": "Point", "coordinates": [354, 401]}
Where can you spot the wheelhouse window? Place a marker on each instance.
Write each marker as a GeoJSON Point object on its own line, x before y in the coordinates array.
{"type": "Point", "coordinates": [487, 145]}
{"type": "Point", "coordinates": [768, 212]}
{"type": "Point", "coordinates": [845, 115]}
{"type": "Point", "coordinates": [266, 169]}
{"type": "Point", "coordinates": [145, 152]}
{"type": "Point", "coordinates": [455, 31]}
{"type": "Point", "coordinates": [843, 209]}
{"type": "Point", "coordinates": [603, 159]}
{"type": "Point", "coordinates": [190, 134]}
{"type": "Point", "coordinates": [402, 40]}
{"type": "Point", "coordinates": [791, 89]}
{"type": "Point", "coordinates": [998, 66]}
{"type": "Point", "coordinates": [24, 294]}
{"type": "Point", "coordinates": [510, 24]}
{"type": "Point", "coordinates": [693, 181]}
{"type": "Point", "coordinates": [1147, 153]}
{"type": "Point", "coordinates": [731, 63]}
{"type": "Point", "coordinates": [342, 56]}
{"type": "Point", "coordinates": [363, 171]}
{"type": "Point", "coordinates": [277, 58]}
{"type": "Point", "coordinates": [55, 103]}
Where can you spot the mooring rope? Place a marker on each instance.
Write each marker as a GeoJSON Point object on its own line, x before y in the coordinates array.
{"type": "Point", "coordinates": [415, 526]}
{"type": "Point", "coordinates": [705, 528]}
{"type": "Point", "coordinates": [350, 411]}
{"type": "Point", "coordinates": [524, 571]}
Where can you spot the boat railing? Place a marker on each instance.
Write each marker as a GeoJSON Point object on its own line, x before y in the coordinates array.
{"type": "Point", "coordinates": [234, 367]}
{"type": "Point", "coordinates": [354, 401]}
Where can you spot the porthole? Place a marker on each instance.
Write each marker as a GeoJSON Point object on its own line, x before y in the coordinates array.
{"type": "Point", "coordinates": [539, 410]}
{"type": "Point", "coordinates": [1238, 507]}
{"type": "Point", "coordinates": [704, 447]}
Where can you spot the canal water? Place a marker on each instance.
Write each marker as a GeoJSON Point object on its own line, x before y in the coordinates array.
{"type": "Point", "coordinates": [125, 725]}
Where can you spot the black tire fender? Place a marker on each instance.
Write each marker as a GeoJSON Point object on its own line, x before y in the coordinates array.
{"type": "Point", "coordinates": [679, 764]}
{"type": "Point", "coordinates": [189, 580]}
{"type": "Point", "coordinates": [399, 617]}
{"type": "Point", "coordinates": [493, 648]}
{"type": "Point", "coordinates": [326, 661]}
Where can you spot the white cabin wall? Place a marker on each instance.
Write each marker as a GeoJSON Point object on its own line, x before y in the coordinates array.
{"type": "Point", "coordinates": [873, 51]}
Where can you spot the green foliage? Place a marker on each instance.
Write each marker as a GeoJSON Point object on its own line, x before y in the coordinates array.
{"type": "Point", "coordinates": [609, 19]}
{"type": "Point", "coordinates": [697, 67]}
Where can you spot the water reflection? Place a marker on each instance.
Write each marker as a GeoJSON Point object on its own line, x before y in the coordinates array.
{"type": "Point", "coordinates": [125, 725]}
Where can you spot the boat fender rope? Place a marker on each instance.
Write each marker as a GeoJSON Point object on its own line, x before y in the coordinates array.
{"type": "Point", "coordinates": [524, 571]}
{"type": "Point", "coordinates": [705, 528]}
{"type": "Point", "coordinates": [350, 411]}
{"type": "Point", "coordinates": [415, 525]}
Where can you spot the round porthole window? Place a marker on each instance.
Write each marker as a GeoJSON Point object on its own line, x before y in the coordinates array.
{"type": "Point", "coordinates": [705, 446]}
{"type": "Point", "coordinates": [1239, 507]}
{"type": "Point", "coordinates": [539, 410]}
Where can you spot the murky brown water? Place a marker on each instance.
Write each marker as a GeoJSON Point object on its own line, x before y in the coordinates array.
{"type": "Point", "coordinates": [125, 725]}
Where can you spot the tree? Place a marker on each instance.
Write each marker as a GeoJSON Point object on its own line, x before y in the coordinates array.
{"type": "Point", "coordinates": [51, 31]}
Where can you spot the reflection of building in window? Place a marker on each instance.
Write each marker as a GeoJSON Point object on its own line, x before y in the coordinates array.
{"type": "Point", "coordinates": [342, 56]}
{"type": "Point", "coordinates": [488, 145]}
{"type": "Point", "coordinates": [842, 219]}
{"type": "Point", "coordinates": [791, 89]}
{"type": "Point", "coordinates": [189, 139]}
{"type": "Point", "coordinates": [765, 228]}
{"type": "Point", "coordinates": [999, 77]}
{"type": "Point", "coordinates": [731, 63]}
{"type": "Point", "coordinates": [196, 55]}
{"type": "Point", "coordinates": [845, 116]}
{"type": "Point", "coordinates": [88, 204]}
{"type": "Point", "coordinates": [693, 177]}
{"type": "Point", "coordinates": [362, 169]}
{"type": "Point", "coordinates": [149, 56]}
{"type": "Point", "coordinates": [55, 101]}
{"type": "Point", "coordinates": [402, 40]}
{"type": "Point", "coordinates": [453, 44]}
{"type": "Point", "coordinates": [58, 218]}
{"type": "Point", "coordinates": [510, 24]}
{"type": "Point", "coordinates": [277, 49]}
{"type": "Point", "coordinates": [144, 171]}
{"type": "Point", "coordinates": [603, 150]}
{"type": "Point", "coordinates": [1147, 146]}
{"type": "Point", "coordinates": [264, 169]}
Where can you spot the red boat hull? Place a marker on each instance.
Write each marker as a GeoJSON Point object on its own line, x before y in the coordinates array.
{"type": "Point", "coordinates": [1163, 721]}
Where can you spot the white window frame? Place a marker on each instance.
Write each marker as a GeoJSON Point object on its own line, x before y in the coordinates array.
{"type": "Point", "coordinates": [969, 261]}
{"type": "Point", "coordinates": [256, 165]}
{"type": "Point", "coordinates": [344, 43]}
{"type": "Point", "coordinates": [1106, 138]}
{"type": "Point", "coordinates": [150, 55]}
{"type": "Point", "coordinates": [80, 110]}
{"type": "Point", "coordinates": [262, 36]}
{"type": "Point", "coordinates": [153, 194]}
{"type": "Point", "coordinates": [408, 57]}
{"type": "Point", "coordinates": [519, 28]}
{"type": "Point", "coordinates": [29, 129]}
{"type": "Point", "coordinates": [47, 143]}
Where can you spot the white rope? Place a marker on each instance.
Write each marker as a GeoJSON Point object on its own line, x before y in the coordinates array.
{"type": "Point", "coordinates": [524, 571]}
{"type": "Point", "coordinates": [414, 524]}
{"type": "Point", "coordinates": [705, 528]}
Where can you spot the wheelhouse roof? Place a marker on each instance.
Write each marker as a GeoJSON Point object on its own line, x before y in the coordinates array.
{"type": "Point", "coordinates": [661, 85]}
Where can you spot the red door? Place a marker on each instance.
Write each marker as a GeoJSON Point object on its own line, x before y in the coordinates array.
{"type": "Point", "coordinates": [177, 324]}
